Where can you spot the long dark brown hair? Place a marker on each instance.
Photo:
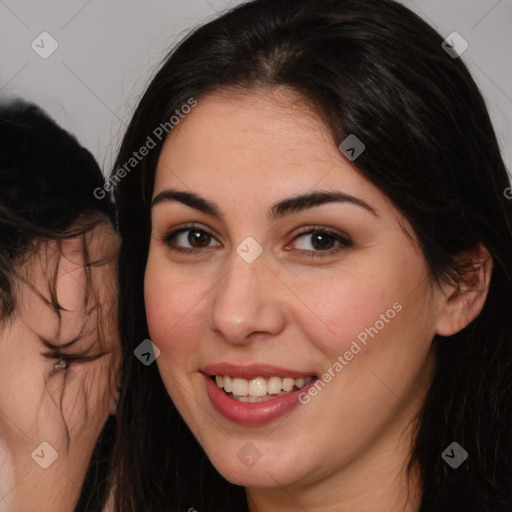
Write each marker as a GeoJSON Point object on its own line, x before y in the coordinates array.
{"type": "Point", "coordinates": [375, 69]}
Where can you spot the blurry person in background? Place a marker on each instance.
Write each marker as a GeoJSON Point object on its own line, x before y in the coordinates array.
{"type": "Point", "coordinates": [59, 341]}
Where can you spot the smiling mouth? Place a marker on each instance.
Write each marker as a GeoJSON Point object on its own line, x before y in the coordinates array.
{"type": "Point", "coordinates": [259, 389]}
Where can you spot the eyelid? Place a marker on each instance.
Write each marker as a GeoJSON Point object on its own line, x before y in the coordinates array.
{"type": "Point", "coordinates": [324, 229]}
{"type": "Point", "coordinates": [167, 233]}
{"type": "Point", "coordinates": [344, 241]}
{"type": "Point", "coordinates": [73, 358]}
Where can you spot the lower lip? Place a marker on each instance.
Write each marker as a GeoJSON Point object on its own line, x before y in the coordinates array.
{"type": "Point", "coordinates": [255, 413]}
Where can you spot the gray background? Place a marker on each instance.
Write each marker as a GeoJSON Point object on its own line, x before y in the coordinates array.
{"type": "Point", "coordinates": [109, 49]}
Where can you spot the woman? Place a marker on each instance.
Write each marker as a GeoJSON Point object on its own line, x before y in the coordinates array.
{"type": "Point", "coordinates": [319, 248]}
{"type": "Point", "coordinates": [58, 330]}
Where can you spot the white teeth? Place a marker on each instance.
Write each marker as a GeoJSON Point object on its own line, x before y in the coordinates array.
{"type": "Point", "coordinates": [228, 384]}
{"type": "Point", "coordinates": [240, 387]}
{"type": "Point", "coordinates": [274, 385]}
{"type": "Point", "coordinates": [258, 387]}
{"type": "Point", "coordinates": [252, 390]}
{"type": "Point", "coordinates": [288, 384]}
{"type": "Point", "coordinates": [300, 382]}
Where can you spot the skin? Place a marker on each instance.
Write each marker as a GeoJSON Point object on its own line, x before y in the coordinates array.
{"type": "Point", "coordinates": [346, 450]}
{"type": "Point", "coordinates": [36, 406]}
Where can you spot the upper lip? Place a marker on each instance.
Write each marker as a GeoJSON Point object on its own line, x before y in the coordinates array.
{"type": "Point", "coordinates": [252, 371]}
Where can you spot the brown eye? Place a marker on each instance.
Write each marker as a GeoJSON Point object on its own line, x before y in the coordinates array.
{"type": "Point", "coordinates": [186, 239]}
{"type": "Point", "coordinates": [198, 238]}
{"type": "Point", "coordinates": [320, 240]}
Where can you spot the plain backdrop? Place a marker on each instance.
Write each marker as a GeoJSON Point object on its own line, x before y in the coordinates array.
{"type": "Point", "coordinates": [108, 50]}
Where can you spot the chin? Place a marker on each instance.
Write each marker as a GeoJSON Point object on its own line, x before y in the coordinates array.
{"type": "Point", "coordinates": [262, 474]}
{"type": "Point", "coordinates": [252, 478]}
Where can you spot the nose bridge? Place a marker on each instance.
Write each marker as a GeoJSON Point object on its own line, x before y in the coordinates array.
{"type": "Point", "coordinates": [244, 301]}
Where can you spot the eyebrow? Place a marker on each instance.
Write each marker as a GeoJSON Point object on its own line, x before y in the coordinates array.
{"type": "Point", "coordinates": [276, 211]}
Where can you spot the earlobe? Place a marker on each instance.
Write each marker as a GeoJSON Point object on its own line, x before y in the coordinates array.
{"type": "Point", "coordinates": [464, 302]}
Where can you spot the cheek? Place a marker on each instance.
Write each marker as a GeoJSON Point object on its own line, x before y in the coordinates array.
{"type": "Point", "coordinates": [367, 315]}
{"type": "Point", "coordinates": [172, 305]}
{"type": "Point", "coordinates": [172, 323]}
{"type": "Point", "coordinates": [341, 309]}
{"type": "Point", "coordinates": [20, 394]}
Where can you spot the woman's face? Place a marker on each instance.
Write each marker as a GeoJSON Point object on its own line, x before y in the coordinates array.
{"type": "Point", "coordinates": [258, 281]}
{"type": "Point", "coordinates": [65, 409]}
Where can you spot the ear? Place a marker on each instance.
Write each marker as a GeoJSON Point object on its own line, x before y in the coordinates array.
{"type": "Point", "coordinates": [463, 302]}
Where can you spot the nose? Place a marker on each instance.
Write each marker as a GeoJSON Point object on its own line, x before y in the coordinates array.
{"type": "Point", "coordinates": [246, 302]}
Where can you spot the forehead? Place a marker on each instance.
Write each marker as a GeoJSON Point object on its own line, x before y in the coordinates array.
{"type": "Point", "coordinates": [78, 274]}
{"type": "Point", "coordinates": [264, 142]}
{"type": "Point", "coordinates": [261, 126]}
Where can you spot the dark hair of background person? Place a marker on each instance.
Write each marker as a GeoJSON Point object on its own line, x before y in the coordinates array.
{"type": "Point", "coordinates": [46, 184]}
{"type": "Point", "coordinates": [375, 69]}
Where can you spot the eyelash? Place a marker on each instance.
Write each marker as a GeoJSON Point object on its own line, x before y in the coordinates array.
{"type": "Point", "coordinates": [70, 359]}
{"type": "Point", "coordinates": [343, 241]}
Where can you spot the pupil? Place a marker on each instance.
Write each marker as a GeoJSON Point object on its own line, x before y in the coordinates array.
{"type": "Point", "coordinates": [198, 238]}
{"type": "Point", "coordinates": [322, 241]}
